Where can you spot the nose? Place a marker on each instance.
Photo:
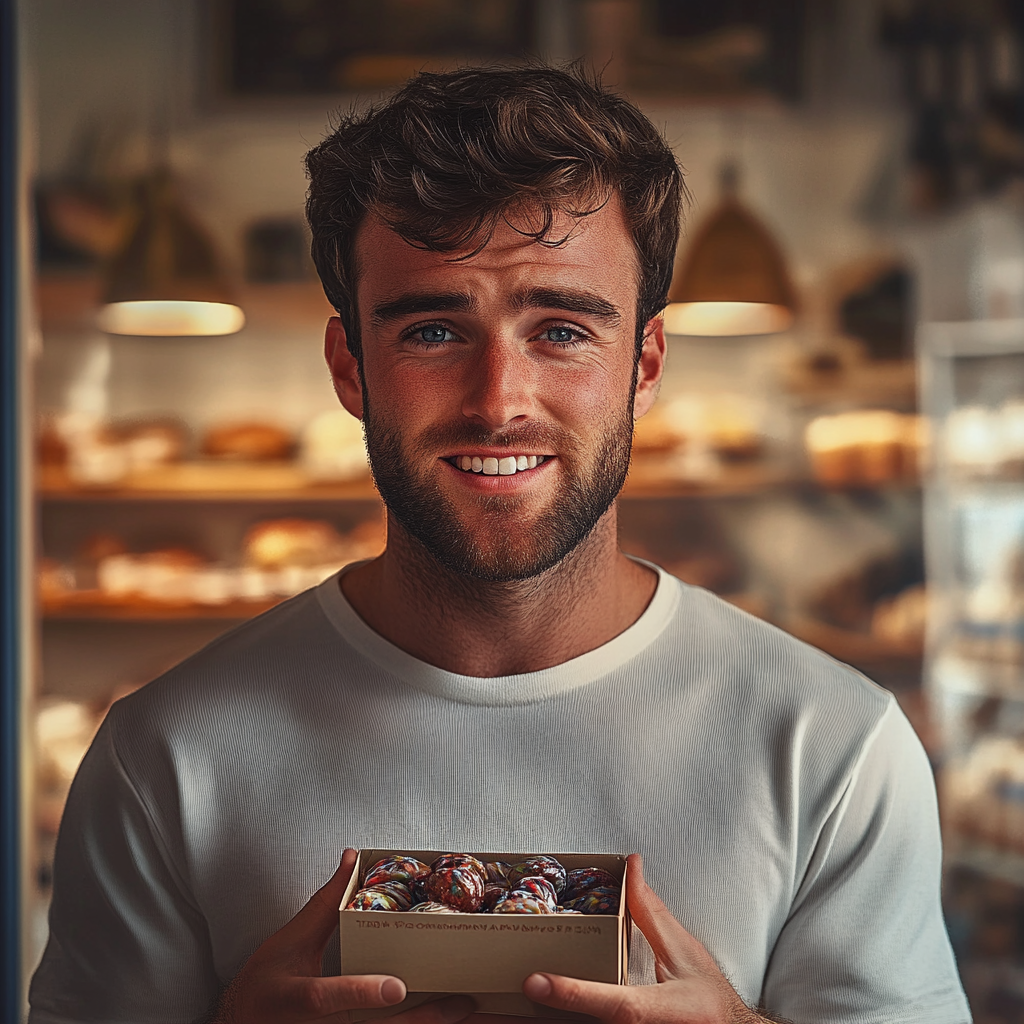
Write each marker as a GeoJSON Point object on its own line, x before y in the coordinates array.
{"type": "Point", "coordinates": [498, 385]}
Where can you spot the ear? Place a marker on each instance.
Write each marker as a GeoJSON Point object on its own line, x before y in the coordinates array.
{"type": "Point", "coordinates": [344, 368]}
{"type": "Point", "coordinates": [650, 367]}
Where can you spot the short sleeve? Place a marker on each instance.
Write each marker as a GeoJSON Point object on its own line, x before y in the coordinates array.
{"type": "Point", "coordinates": [865, 942]}
{"type": "Point", "coordinates": [126, 944]}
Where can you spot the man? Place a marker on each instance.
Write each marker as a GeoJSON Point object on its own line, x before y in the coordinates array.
{"type": "Point", "coordinates": [498, 246]}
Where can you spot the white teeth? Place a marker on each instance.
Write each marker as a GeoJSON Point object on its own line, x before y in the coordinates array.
{"type": "Point", "coordinates": [506, 466]}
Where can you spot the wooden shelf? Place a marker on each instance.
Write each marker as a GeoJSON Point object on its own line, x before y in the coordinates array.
{"type": "Point", "coordinates": [285, 481]}
{"type": "Point", "coordinates": [1008, 865]}
{"type": "Point", "coordinates": [207, 481]}
{"type": "Point", "coordinates": [862, 650]}
{"type": "Point", "coordinates": [91, 606]}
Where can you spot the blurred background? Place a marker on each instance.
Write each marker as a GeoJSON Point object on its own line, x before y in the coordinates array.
{"type": "Point", "coordinates": [838, 447]}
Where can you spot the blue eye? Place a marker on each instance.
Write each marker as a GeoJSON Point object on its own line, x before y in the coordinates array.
{"type": "Point", "coordinates": [561, 335]}
{"type": "Point", "coordinates": [434, 335]}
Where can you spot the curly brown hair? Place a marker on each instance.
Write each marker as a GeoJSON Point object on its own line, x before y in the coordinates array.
{"type": "Point", "coordinates": [450, 154]}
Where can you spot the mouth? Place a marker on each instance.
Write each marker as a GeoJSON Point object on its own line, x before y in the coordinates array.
{"type": "Point", "coordinates": [507, 465]}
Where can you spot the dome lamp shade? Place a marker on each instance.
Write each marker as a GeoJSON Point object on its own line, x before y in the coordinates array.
{"type": "Point", "coordinates": [166, 279]}
{"type": "Point", "coordinates": [732, 281]}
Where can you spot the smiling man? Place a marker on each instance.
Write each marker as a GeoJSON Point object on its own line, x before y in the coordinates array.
{"type": "Point", "coordinates": [498, 245]}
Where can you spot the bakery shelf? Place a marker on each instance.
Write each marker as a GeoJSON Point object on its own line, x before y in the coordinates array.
{"type": "Point", "coordinates": [865, 651]}
{"type": "Point", "coordinates": [207, 481]}
{"type": "Point", "coordinates": [1007, 865]}
{"type": "Point", "coordinates": [285, 481]}
{"type": "Point", "coordinates": [89, 606]}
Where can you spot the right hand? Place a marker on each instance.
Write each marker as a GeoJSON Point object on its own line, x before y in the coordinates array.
{"type": "Point", "coordinates": [281, 982]}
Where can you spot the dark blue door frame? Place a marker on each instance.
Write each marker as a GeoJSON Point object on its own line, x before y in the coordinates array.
{"type": "Point", "coordinates": [10, 740]}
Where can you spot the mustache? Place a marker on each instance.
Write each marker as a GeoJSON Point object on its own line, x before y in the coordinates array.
{"type": "Point", "coordinates": [526, 435]}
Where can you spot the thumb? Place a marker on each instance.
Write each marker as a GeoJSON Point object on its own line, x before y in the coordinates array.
{"type": "Point", "coordinates": [309, 930]}
{"type": "Point", "coordinates": [677, 953]}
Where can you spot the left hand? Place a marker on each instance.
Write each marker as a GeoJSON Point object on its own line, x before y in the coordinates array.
{"type": "Point", "coordinates": [691, 989]}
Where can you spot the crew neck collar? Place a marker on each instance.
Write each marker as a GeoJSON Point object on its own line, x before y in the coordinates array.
{"type": "Point", "coordinates": [495, 691]}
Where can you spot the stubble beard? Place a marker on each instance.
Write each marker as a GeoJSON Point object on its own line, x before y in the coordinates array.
{"type": "Point", "coordinates": [508, 546]}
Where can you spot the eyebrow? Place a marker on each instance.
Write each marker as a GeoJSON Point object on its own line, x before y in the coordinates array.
{"type": "Point", "coordinates": [423, 302]}
{"type": "Point", "coordinates": [571, 300]}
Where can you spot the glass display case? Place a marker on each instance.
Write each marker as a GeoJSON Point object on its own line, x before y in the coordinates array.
{"type": "Point", "coordinates": [972, 388]}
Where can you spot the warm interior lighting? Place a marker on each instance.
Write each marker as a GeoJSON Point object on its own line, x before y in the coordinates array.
{"type": "Point", "coordinates": [732, 280]}
{"type": "Point", "coordinates": [170, 318]}
{"type": "Point", "coordinates": [166, 279]}
{"type": "Point", "coordinates": [726, 319]}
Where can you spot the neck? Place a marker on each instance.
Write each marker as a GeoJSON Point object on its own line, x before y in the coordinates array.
{"type": "Point", "coordinates": [482, 628]}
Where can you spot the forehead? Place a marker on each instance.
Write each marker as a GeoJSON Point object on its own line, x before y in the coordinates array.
{"type": "Point", "coordinates": [598, 252]}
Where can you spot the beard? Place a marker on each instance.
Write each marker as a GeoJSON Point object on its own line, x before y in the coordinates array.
{"type": "Point", "coordinates": [508, 545]}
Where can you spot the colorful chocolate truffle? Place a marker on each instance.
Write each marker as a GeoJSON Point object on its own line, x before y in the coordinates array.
{"type": "Point", "coordinates": [496, 871]}
{"type": "Point", "coordinates": [386, 896]}
{"type": "Point", "coordinates": [579, 880]}
{"type": "Point", "coordinates": [458, 887]}
{"type": "Point", "coordinates": [432, 907]}
{"type": "Point", "coordinates": [546, 867]}
{"type": "Point", "coordinates": [599, 900]}
{"type": "Point", "coordinates": [396, 869]}
{"type": "Point", "coordinates": [522, 903]}
{"type": "Point", "coordinates": [535, 885]}
{"type": "Point", "coordinates": [460, 860]}
{"type": "Point", "coordinates": [493, 895]}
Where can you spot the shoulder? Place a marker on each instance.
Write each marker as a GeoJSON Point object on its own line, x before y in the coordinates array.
{"type": "Point", "coordinates": [762, 678]}
{"type": "Point", "coordinates": [268, 669]}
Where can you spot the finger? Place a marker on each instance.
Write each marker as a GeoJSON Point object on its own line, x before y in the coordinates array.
{"type": "Point", "coordinates": [333, 999]}
{"type": "Point", "coordinates": [313, 998]}
{"type": "Point", "coordinates": [308, 931]}
{"type": "Point", "coordinates": [608, 1002]}
{"type": "Point", "coordinates": [677, 952]}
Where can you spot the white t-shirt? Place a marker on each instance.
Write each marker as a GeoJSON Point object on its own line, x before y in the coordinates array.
{"type": "Point", "coordinates": [784, 807]}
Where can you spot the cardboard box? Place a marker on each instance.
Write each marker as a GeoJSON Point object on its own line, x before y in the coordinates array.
{"type": "Point", "coordinates": [487, 956]}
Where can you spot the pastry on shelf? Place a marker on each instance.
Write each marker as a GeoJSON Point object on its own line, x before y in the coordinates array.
{"type": "Point", "coordinates": [165, 575]}
{"type": "Point", "coordinates": [901, 619]}
{"type": "Point", "coordinates": [304, 542]}
{"type": "Point", "coordinates": [864, 447]}
{"type": "Point", "coordinates": [150, 442]}
{"type": "Point", "coordinates": [55, 580]}
{"type": "Point", "coordinates": [248, 441]}
{"type": "Point", "coordinates": [657, 433]}
{"type": "Point", "coordinates": [332, 448]}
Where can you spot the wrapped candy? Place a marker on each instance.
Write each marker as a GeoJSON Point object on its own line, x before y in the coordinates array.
{"type": "Point", "coordinates": [579, 880]}
{"type": "Point", "coordinates": [599, 900]}
{"type": "Point", "coordinates": [546, 867]}
{"type": "Point", "coordinates": [396, 869]}
{"type": "Point", "coordinates": [522, 903]}
{"type": "Point", "coordinates": [458, 887]}
{"type": "Point", "coordinates": [432, 907]}
{"type": "Point", "coordinates": [535, 885]}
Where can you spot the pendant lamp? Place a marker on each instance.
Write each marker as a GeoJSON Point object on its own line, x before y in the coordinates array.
{"type": "Point", "coordinates": [733, 280]}
{"type": "Point", "coordinates": [166, 279]}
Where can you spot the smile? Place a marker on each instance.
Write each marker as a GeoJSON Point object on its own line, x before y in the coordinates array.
{"type": "Point", "coordinates": [490, 466]}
